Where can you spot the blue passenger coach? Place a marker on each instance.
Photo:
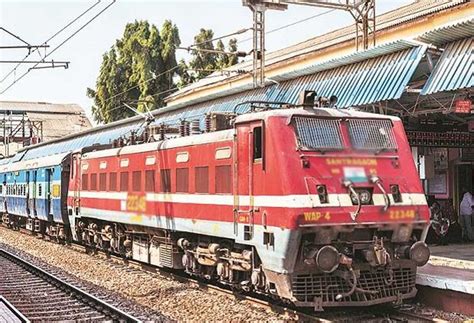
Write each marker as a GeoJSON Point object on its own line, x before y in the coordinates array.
{"type": "Point", "coordinates": [32, 192]}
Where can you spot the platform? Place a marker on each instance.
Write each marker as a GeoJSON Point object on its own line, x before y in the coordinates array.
{"type": "Point", "coordinates": [447, 281]}
{"type": "Point", "coordinates": [9, 314]}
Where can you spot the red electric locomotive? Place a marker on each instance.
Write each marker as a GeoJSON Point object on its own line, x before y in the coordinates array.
{"type": "Point", "coordinates": [320, 207]}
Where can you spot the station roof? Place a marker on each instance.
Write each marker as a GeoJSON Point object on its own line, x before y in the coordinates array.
{"type": "Point", "coordinates": [58, 120]}
{"type": "Point", "coordinates": [455, 69]}
{"type": "Point", "coordinates": [417, 10]}
{"type": "Point", "coordinates": [40, 107]}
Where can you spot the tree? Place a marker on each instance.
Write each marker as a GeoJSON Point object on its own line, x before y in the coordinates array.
{"type": "Point", "coordinates": [203, 63]}
{"type": "Point", "coordinates": [233, 59]}
{"type": "Point", "coordinates": [138, 70]}
{"type": "Point", "coordinates": [185, 77]}
{"type": "Point", "coordinates": [222, 59]}
{"type": "Point", "coordinates": [226, 60]}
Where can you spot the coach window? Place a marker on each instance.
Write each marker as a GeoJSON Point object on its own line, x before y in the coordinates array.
{"type": "Point", "coordinates": [93, 182]}
{"type": "Point", "coordinates": [102, 182]}
{"type": "Point", "coordinates": [85, 182]}
{"type": "Point", "coordinates": [149, 181]}
{"type": "Point", "coordinates": [124, 181]}
{"type": "Point", "coordinates": [137, 181]}
{"type": "Point", "coordinates": [112, 182]}
{"type": "Point", "coordinates": [223, 179]}
{"type": "Point", "coordinates": [182, 180]}
{"type": "Point", "coordinates": [201, 179]}
{"type": "Point", "coordinates": [257, 143]}
{"type": "Point", "coordinates": [165, 178]}
{"type": "Point", "coordinates": [40, 190]}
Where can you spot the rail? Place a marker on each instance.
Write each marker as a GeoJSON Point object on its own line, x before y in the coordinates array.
{"type": "Point", "coordinates": [86, 298]}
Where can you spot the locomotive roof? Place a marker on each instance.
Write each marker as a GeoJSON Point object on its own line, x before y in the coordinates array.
{"type": "Point", "coordinates": [210, 137]}
{"type": "Point", "coordinates": [318, 112]}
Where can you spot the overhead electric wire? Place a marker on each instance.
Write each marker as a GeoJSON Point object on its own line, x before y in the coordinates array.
{"type": "Point", "coordinates": [15, 36]}
{"type": "Point", "coordinates": [61, 44]}
{"type": "Point", "coordinates": [142, 82]}
{"type": "Point", "coordinates": [168, 71]}
{"type": "Point", "coordinates": [121, 105]}
{"type": "Point", "coordinates": [290, 25]}
{"type": "Point", "coordinates": [51, 38]}
{"type": "Point", "coordinates": [238, 32]}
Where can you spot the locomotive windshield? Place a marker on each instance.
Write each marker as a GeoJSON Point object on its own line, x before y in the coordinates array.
{"type": "Point", "coordinates": [372, 134]}
{"type": "Point", "coordinates": [326, 134]}
{"type": "Point", "coordinates": [318, 134]}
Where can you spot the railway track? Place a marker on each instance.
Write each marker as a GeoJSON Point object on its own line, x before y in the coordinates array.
{"type": "Point", "coordinates": [375, 314]}
{"type": "Point", "coordinates": [41, 296]}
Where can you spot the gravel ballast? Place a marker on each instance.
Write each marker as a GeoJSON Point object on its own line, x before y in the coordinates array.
{"type": "Point", "coordinates": [173, 299]}
{"type": "Point", "coordinates": [155, 297]}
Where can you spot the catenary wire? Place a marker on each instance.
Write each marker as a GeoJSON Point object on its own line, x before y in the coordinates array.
{"type": "Point", "coordinates": [60, 45]}
{"type": "Point", "coordinates": [49, 39]}
{"type": "Point", "coordinates": [290, 25]}
{"type": "Point", "coordinates": [238, 32]}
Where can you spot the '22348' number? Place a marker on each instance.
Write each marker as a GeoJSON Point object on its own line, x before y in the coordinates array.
{"type": "Point", "coordinates": [402, 214]}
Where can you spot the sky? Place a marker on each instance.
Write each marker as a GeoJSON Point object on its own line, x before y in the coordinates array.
{"type": "Point", "coordinates": [35, 21]}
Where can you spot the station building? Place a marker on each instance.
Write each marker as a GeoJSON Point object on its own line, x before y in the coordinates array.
{"type": "Point", "coordinates": [28, 123]}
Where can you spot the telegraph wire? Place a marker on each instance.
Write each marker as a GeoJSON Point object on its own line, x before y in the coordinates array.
{"type": "Point", "coordinates": [50, 38]}
{"type": "Point", "coordinates": [60, 45]}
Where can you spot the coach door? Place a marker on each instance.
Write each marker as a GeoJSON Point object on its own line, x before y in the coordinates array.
{"type": "Point", "coordinates": [32, 192]}
{"type": "Point", "coordinates": [250, 164]}
{"type": "Point", "coordinates": [48, 179]}
{"type": "Point", "coordinates": [76, 180]}
{"type": "Point", "coordinates": [3, 192]}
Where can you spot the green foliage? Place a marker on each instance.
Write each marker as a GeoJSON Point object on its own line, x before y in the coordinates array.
{"type": "Point", "coordinates": [185, 77]}
{"type": "Point", "coordinates": [141, 67]}
{"type": "Point", "coordinates": [134, 71]}
{"type": "Point", "coordinates": [204, 63]}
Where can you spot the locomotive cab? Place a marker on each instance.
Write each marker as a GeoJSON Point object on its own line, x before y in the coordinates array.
{"type": "Point", "coordinates": [338, 206]}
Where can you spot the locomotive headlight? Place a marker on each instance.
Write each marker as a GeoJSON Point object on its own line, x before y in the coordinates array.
{"type": "Point", "coordinates": [322, 193]}
{"type": "Point", "coordinates": [395, 190]}
{"type": "Point", "coordinates": [327, 259]}
{"type": "Point", "coordinates": [364, 195]}
{"type": "Point", "coordinates": [419, 253]}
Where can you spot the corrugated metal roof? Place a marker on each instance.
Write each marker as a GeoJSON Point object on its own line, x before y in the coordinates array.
{"type": "Point", "coordinates": [389, 19]}
{"type": "Point", "coordinates": [449, 33]}
{"type": "Point", "coordinates": [40, 107]}
{"type": "Point", "coordinates": [377, 51]}
{"type": "Point", "coordinates": [372, 80]}
{"type": "Point", "coordinates": [80, 140]}
{"type": "Point", "coordinates": [454, 70]}
{"type": "Point", "coordinates": [61, 124]}
{"type": "Point", "coordinates": [355, 57]}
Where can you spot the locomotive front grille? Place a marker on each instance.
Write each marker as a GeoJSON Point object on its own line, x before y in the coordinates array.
{"type": "Point", "coordinates": [326, 287]}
